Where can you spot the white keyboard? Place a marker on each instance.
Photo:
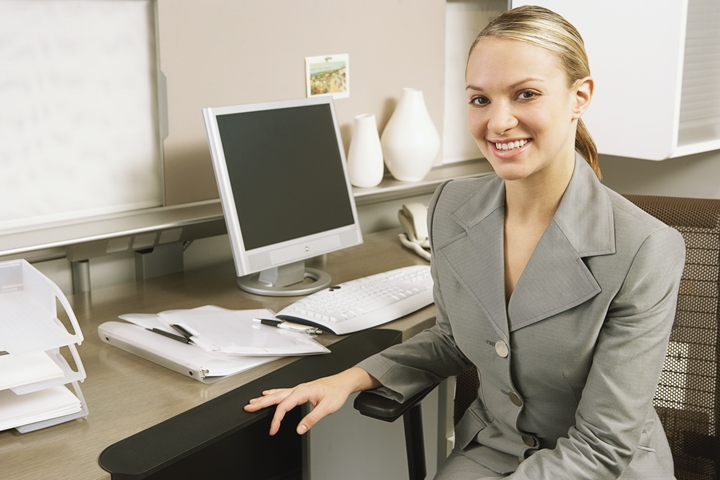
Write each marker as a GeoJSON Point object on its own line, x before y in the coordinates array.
{"type": "Point", "coordinates": [364, 302]}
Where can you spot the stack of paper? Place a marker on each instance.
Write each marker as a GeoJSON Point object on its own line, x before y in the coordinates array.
{"type": "Point", "coordinates": [209, 342]}
{"type": "Point", "coordinates": [53, 402]}
{"type": "Point", "coordinates": [25, 368]}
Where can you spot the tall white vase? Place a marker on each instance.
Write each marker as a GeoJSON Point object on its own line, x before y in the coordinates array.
{"type": "Point", "coordinates": [365, 157]}
{"type": "Point", "coordinates": [410, 141]}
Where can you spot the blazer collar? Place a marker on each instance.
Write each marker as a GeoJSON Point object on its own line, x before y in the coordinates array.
{"type": "Point", "coordinates": [585, 213]}
{"type": "Point", "coordinates": [555, 279]}
{"type": "Point", "coordinates": [481, 204]}
{"type": "Point", "coordinates": [589, 230]}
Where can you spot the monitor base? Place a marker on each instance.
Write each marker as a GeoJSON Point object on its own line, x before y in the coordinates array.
{"type": "Point", "coordinates": [286, 281]}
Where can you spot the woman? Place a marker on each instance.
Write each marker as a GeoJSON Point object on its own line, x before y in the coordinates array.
{"type": "Point", "coordinates": [561, 292]}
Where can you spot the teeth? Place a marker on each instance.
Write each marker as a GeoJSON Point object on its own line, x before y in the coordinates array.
{"type": "Point", "coordinates": [510, 145]}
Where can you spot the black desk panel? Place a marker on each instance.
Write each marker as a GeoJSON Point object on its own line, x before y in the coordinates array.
{"type": "Point", "coordinates": [218, 439]}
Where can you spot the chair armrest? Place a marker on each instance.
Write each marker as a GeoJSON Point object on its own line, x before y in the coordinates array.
{"type": "Point", "coordinates": [388, 410]}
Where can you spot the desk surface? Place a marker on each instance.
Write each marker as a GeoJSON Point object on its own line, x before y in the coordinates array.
{"type": "Point", "coordinates": [126, 394]}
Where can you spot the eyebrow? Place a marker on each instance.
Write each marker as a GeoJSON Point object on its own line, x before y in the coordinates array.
{"type": "Point", "coordinates": [514, 85]}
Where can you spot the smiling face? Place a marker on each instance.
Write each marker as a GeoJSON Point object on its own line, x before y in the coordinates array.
{"type": "Point", "coordinates": [521, 111]}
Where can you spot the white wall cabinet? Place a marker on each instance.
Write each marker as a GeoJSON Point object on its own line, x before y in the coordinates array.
{"type": "Point", "coordinates": [657, 72]}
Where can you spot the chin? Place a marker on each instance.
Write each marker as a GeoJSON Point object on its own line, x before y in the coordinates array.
{"type": "Point", "coordinates": [510, 172]}
{"type": "Point", "coordinates": [511, 176]}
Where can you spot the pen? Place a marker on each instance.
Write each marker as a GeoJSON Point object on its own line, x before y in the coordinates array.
{"type": "Point", "coordinates": [193, 336]}
{"type": "Point", "coordinates": [183, 330]}
{"type": "Point", "coordinates": [162, 332]}
{"type": "Point", "coordinates": [289, 326]}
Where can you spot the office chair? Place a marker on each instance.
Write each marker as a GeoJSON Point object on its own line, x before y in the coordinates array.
{"type": "Point", "coordinates": [688, 395]}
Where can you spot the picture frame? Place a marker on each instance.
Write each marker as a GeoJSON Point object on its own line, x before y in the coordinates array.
{"type": "Point", "coordinates": [328, 75]}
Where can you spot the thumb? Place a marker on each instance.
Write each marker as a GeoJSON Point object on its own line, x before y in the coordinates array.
{"type": "Point", "coordinates": [316, 414]}
{"type": "Point", "coordinates": [308, 422]}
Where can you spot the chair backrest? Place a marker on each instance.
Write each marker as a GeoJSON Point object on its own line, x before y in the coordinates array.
{"type": "Point", "coordinates": [688, 395]}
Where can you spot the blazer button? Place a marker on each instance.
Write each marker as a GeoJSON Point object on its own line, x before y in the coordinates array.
{"type": "Point", "coordinates": [501, 348]}
{"type": "Point", "coordinates": [515, 399]}
{"type": "Point", "coordinates": [528, 440]}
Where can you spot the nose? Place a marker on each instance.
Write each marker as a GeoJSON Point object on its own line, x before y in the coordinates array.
{"type": "Point", "coordinates": [501, 118]}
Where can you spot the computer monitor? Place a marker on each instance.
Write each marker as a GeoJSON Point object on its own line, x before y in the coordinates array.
{"type": "Point", "coordinates": [283, 183]}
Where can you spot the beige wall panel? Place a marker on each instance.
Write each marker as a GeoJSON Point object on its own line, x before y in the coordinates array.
{"type": "Point", "coordinates": [227, 52]}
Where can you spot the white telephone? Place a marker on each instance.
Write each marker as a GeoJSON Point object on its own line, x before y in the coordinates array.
{"type": "Point", "coordinates": [413, 220]}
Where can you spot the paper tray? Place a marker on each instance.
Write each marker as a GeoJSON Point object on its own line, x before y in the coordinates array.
{"type": "Point", "coordinates": [29, 314]}
{"type": "Point", "coordinates": [29, 323]}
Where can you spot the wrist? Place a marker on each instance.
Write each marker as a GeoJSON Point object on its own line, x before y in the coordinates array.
{"type": "Point", "coordinates": [359, 380]}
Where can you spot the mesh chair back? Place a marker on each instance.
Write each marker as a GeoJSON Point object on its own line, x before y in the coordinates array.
{"type": "Point", "coordinates": [688, 395]}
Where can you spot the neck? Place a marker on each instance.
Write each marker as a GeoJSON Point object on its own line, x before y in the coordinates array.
{"type": "Point", "coordinates": [536, 198]}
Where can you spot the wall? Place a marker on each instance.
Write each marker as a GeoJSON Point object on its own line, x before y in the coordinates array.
{"type": "Point", "coordinates": [228, 52]}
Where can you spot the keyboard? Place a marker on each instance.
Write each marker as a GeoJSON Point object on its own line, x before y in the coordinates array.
{"type": "Point", "coordinates": [365, 302]}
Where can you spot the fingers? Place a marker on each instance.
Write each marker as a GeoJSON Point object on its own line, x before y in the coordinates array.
{"type": "Point", "coordinates": [327, 395]}
{"type": "Point", "coordinates": [280, 412]}
{"type": "Point", "coordinates": [269, 398]}
{"type": "Point", "coordinates": [285, 398]}
{"type": "Point", "coordinates": [297, 396]}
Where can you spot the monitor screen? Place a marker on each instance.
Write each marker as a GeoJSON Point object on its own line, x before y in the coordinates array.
{"type": "Point", "coordinates": [283, 183]}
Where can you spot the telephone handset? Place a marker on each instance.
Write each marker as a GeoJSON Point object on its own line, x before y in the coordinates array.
{"type": "Point", "coordinates": [413, 220]}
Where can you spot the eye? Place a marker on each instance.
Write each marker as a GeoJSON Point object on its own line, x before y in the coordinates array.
{"type": "Point", "coordinates": [478, 101]}
{"type": "Point", "coordinates": [526, 95]}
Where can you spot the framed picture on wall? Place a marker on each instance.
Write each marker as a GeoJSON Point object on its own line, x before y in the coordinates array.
{"type": "Point", "coordinates": [328, 75]}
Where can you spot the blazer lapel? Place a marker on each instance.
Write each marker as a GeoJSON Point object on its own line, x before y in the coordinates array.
{"type": "Point", "coordinates": [554, 280]}
{"type": "Point", "coordinates": [556, 277]}
{"type": "Point", "coordinates": [476, 257]}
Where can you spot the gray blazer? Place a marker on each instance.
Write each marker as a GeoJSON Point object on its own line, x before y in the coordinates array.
{"type": "Point", "coordinates": [568, 370]}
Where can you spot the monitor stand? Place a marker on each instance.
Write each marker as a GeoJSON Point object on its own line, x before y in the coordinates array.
{"type": "Point", "coordinates": [285, 281]}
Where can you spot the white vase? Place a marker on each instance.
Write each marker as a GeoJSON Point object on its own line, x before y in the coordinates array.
{"type": "Point", "coordinates": [365, 157]}
{"type": "Point", "coordinates": [410, 141]}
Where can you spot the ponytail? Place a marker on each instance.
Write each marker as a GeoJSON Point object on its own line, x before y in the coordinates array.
{"type": "Point", "coordinates": [585, 146]}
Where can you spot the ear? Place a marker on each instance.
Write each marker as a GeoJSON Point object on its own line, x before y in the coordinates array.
{"type": "Point", "coordinates": [583, 92]}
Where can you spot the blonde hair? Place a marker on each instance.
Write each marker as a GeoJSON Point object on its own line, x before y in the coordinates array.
{"type": "Point", "coordinates": [545, 28]}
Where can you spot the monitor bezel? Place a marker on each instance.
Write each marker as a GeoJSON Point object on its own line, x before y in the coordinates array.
{"type": "Point", "coordinates": [308, 246]}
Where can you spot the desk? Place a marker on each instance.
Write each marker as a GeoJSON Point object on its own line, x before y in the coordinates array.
{"type": "Point", "coordinates": [126, 394]}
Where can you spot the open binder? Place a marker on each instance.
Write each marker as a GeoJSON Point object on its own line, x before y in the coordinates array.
{"type": "Point", "coordinates": [34, 373]}
{"type": "Point", "coordinates": [225, 342]}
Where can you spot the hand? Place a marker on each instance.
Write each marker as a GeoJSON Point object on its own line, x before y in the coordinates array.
{"type": "Point", "coordinates": [326, 395]}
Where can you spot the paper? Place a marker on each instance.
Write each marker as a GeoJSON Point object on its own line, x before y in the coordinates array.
{"type": "Point", "coordinates": [27, 368]}
{"type": "Point", "coordinates": [18, 410]}
{"type": "Point", "coordinates": [233, 331]}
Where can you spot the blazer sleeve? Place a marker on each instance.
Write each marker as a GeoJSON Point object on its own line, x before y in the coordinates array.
{"type": "Point", "coordinates": [627, 363]}
{"type": "Point", "coordinates": [429, 357]}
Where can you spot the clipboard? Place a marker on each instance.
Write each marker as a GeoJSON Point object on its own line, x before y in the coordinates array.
{"type": "Point", "coordinates": [187, 360]}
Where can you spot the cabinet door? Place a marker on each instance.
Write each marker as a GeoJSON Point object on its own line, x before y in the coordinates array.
{"type": "Point", "coordinates": [636, 51]}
